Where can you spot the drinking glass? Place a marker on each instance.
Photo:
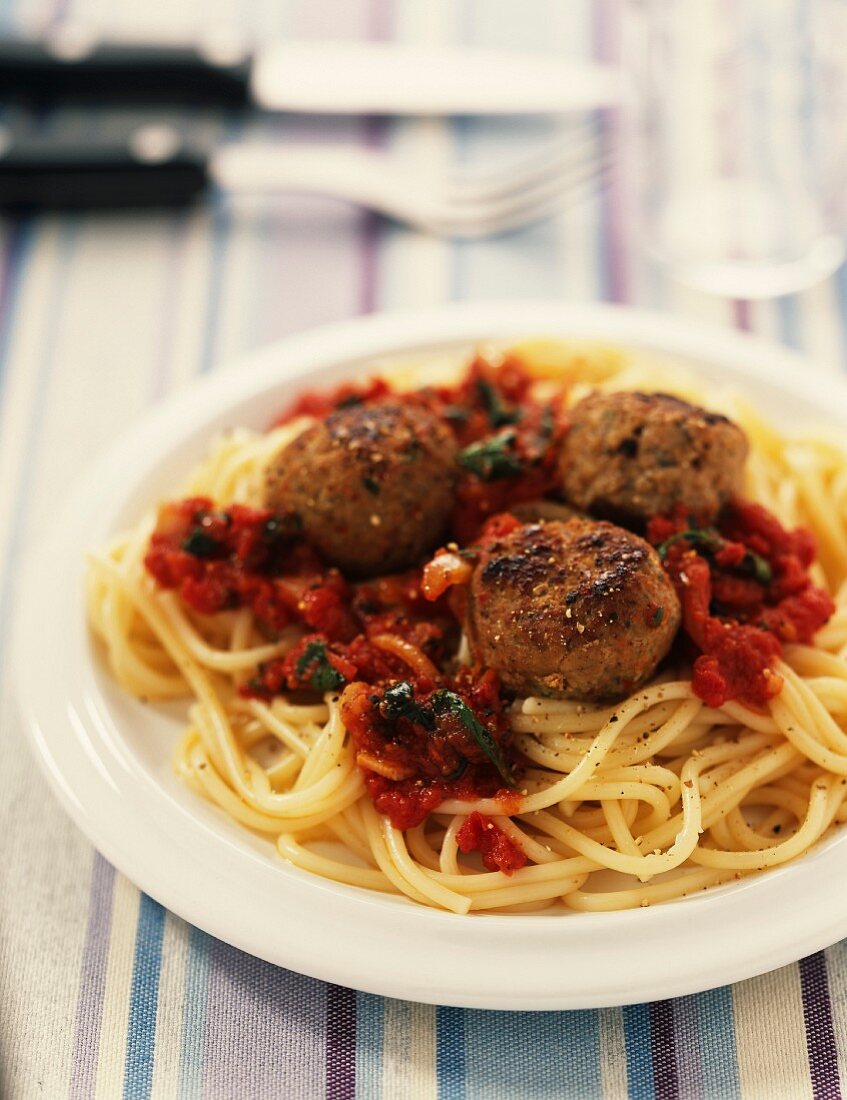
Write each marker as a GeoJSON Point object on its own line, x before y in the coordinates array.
{"type": "Point", "coordinates": [739, 132]}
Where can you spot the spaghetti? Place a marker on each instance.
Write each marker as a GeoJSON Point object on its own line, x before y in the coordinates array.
{"type": "Point", "coordinates": [615, 806]}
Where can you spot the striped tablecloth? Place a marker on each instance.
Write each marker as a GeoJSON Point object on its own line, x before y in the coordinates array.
{"type": "Point", "coordinates": [102, 993]}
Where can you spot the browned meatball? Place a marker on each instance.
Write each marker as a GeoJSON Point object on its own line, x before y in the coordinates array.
{"type": "Point", "coordinates": [372, 485]}
{"type": "Point", "coordinates": [630, 456]}
{"type": "Point", "coordinates": [577, 610]}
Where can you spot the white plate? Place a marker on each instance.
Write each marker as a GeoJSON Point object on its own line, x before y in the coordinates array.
{"type": "Point", "coordinates": [108, 757]}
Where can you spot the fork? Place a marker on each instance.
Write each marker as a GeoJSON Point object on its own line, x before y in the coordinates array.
{"type": "Point", "coordinates": [155, 167]}
{"type": "Point", "coordinates": [465, 203]}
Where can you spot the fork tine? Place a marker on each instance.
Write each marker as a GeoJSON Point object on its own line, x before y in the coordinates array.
{"type": "Point", "coordinates": [475, 186]}
{"type": "Point", "coordinates": [562, 138]}
{"type": "Point", "coordinates": [546, 190]}
{"type": "Point", "coordinates": [508, 215]}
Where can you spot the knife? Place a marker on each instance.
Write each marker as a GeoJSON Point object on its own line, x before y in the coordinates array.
{"type": "Point", "coordinates": [321, 77]}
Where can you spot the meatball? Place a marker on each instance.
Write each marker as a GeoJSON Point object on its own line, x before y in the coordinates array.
{"type": "Point", "coordinates": [630, 456]}
{"type": "Point", "coordinates": [371, 486]}
{"type": "Point", "coordinates": [576, 610]}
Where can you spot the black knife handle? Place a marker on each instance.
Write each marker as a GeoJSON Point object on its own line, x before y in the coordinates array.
{"type": "Point", "coordinates": [44, 72]}
{"type": "Point", "coordinates": [152, 168]}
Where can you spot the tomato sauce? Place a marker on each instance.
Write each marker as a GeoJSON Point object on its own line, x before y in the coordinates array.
{"type": "Point", "coordinates": [499, 853]}
{"type": "Point", "coordinates": [745, 590]}
{"type": "Point", "coordinates": [421, 744]}
{"type": "Point", "coordinates": [424, 733]}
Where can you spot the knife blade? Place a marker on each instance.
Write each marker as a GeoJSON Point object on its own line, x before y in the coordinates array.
{"type": "Point", "coordinates": [309, 77]}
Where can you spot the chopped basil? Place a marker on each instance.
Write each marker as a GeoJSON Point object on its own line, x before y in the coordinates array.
{"type": "Point", "coordinates": [756, 567]}
{"type": "Point", "coordinates": [371, 485]}
{"type": "Point", "coordinates": [448, 702]}
{"type": "Point", "coordinates": [659, 615]}
{"type": "Point", "coordinates": [496, 411]}
{"type": "Point", "coordinates": [200, 544]}
{"type": "Point", "coordinates": [323, 676]}
{"type": "Point", "coordinates": [490, 459]}
{"type": "Point", "coordinates": [701, 537]}
{"type": "Point", "coordinates": [399, 702]}
{"type": "Point", "coordinates": [709, 542]}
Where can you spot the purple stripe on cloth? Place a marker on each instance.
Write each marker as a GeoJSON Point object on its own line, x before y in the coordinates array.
{"type": "Point", "coordinates": [265, 1029]}
{"type": "Point", "coordinates": [95, 957]}
{"type": "Point", "coordinates": [340, 1043]}
{"type": "Point", "coordinates": [663, 1050]}
{"type": "Point", "coordinates": [374, 136]}
{"type": "Point", "coordinates": [741, 314]}
{"type": "Point", "coordinates": [617, 288]}
{"type": "Point", "coordinates": [820, 1032]}
{"type": "Point", "coordinates": [369, 276]}
{"type": "Point", "coordinates": [688, 1053]}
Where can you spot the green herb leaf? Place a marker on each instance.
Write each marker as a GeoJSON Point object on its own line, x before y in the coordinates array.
{"type": "Point", "coordinates": [756, 567]}
{"type": "Point", "coordinates": [660, 614]}
{"type": "Point", "coordinates": [399, 702]}
{"type": "Point", "coordinates": [709, 542]}
{"type": "Point", "coordinates": [497, 412]}
{"type": "Point", "coordinates": [200, 544]}
{"type": "Point", "coordinates": [703, 538]}
{"type": "Point", "coordinates": [490, 459]}
{"type": "Point", "coordinates": [323, 676]}
{"type": "Point", "coordinates": [371, 485]}
{"type": "Point", "coordinates": [448, 702]}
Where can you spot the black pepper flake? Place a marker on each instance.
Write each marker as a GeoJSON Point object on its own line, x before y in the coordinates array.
{"type": "Point", "coordinates": [371, 486]}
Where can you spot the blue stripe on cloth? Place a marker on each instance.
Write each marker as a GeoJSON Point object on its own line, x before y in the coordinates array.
{"type": "Point", "coordinates": [789, 321]}
{"type": "Point", "coordinates": [219, 232]}
{"type": "Point", "coordinates": [144, 997]}
{"type": "Point", "coordinates": [46, 366]}
{"type": "Point", "coordinates": [450, 1053]}
{"type": "Point", "coordinates": [194, 1015]}
{"type": "Point", "coordinates": [718, 1056]}
{"type": "Point", "coordinates": [639, 1062]}
{"type": "Point", "coordinates": [18, 246]}
{"type": "Point", "coordinates": [539, 1055]}
{"type": "Point", "coordinates": [370, 1037]}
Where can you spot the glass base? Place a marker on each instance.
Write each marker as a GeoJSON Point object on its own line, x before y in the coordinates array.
{"type": "Point", "coordinates": [740, 239]}
{"type": "Point", "coordinates": [756, 279]}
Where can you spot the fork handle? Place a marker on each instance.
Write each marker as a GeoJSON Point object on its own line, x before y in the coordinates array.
{"type": "Point", "coordinates": [151, 168]}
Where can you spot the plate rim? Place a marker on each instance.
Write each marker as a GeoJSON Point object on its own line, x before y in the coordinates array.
{"type": "Point", "coordinates": [106, 769]}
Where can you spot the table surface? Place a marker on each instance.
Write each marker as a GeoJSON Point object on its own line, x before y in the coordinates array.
{"type": "Point", "coordinates": [102, 992]}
